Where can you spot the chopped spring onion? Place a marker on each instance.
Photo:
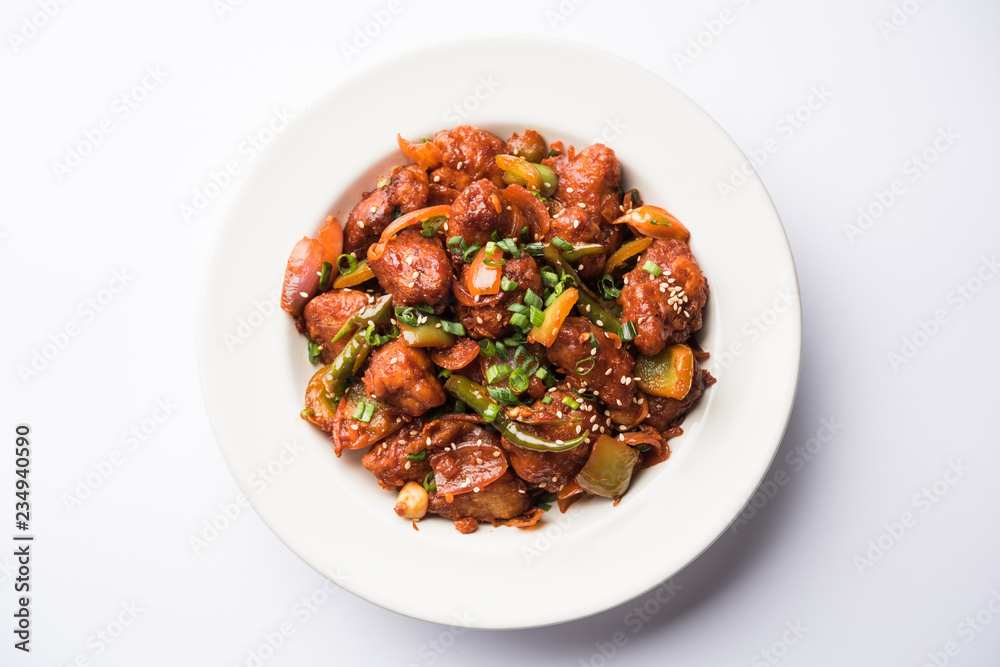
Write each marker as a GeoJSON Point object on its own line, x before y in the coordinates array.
{"type": "Point", "coordinates": [487, 348]}
{"type": "Point", "coordinates": [537, 317]}
{"type": "Point", "coordinates": [314, 352]}
{"type": "Point", "coordinates": [324, 275]}
{"type": "Point", "coordinates": [508, 285]}
{"type": "Point", "coordinates": [571, 403]}
{"type": "Point", "coordinates": [364, 412]}
{"type": "Point", "coordinates": [503, 394]}
{"type": "Point", "coordinates": [470, 253]}
{"type": "Point", "coordinates": [519, 320]}
{"type": "Point", "coordinates": [429, 483]}
{"type": "Point", "coordinates": [532, 299]}
{"type": "Point", "coordinates": [431, 226]}
{"type": "Point", "coordinates": [547, 399]}
{"type": "Point", "coordinates": [628, 331]}
{"type": "Point", "coordinates": [454, 328]}
{"type": "Point", "coordinates": [534, 249]}
{"type": "Point", "coordinates": [562, 244]}
{"type": "Point", "coordinates": [497, 372]}
{"type": "Point", "coordinates": [352, 264]}
{"type": "Point", "coordinates": [541, 373]}
{"type": "Point", "coordinates": [510, 245]}
{"type": "Point", "coordinates": [607, 287]}
{"type": "Point", "coordinates": [581, 371]}
{"type": "Point", "coordinates": [652, 268]}
{"type": "Point", "coordinates": [419, 456]}
{"type": "Point", "coordinates": [518, 380]}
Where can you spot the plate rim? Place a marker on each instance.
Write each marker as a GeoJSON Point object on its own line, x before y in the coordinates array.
{"type": "Point", "coordinates": [310, 113]}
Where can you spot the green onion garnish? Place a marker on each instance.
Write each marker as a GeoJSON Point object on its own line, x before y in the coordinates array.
{"type": "Point", "coordinates": [324, 275]}
{"type": "Point", "coordinates": [503, 394]}
{"type": "Point", "coordinates": [508, 285]}
{"type": "Point", "coordinates": [580, 371]}
{"type": "Point", "coordinates": [314, 352]}
{"type": "Point", "coordinates": [652, 268]}
{"type": "Point", "coordinates": [351, 264]}
{"type": "Point", "coordinates": [519, 320]}
{"type": "Point", "coordinates": [497, 372]}
{"type": "Point", "coordinates": [532, 299]}
{"type": "Point", "coordinates": [454, 328]}
{"type": "Point", "coordinates": [509, 245]}
{"type": "Point", "coordinates": [518, 380]}
{"type": "Point", "coordinates": [562, 244]}
{"type": "Point", "coordinates": [429, 483]}
{"type": "Point", "coordinates": [419, 456]}
{"type": "Point", "coordinates": [487, 348]}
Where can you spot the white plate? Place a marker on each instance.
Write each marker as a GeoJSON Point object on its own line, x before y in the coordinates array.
{"type": "Point", "coordinates": [331, 512]}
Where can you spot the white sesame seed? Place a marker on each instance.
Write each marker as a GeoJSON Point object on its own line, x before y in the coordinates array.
{"type": "Point", "coordinates": [374, 208]}
{"type": "Point", "coordinates": [581, 205]}
{"type": "Point", "coordinates": [479, 320]}
{"type": "Point", "coordinates": [460, 165]}
{"type": "Point", "coordinates": [475, 489]}
{"type": "Point", "coordinates": [600, 323]}
{"type": "Point", "coordinates": [305, 294]}
{"type": "Point", "coordinates": [428, 442]}
{"type": "Point", "coordinates": [407, 466]}
{"type": "Point", "coordinates": [569, 189]}
{"type": "Point", "coordinates": [437, 178]}
{"type": "Point", "coordinates": [579, 267]}
{"type": "Point", "coordinates": [496, 454]}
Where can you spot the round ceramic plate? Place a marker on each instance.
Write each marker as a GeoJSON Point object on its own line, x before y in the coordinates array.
{"type": "Point", "coordinates": [330, 511]}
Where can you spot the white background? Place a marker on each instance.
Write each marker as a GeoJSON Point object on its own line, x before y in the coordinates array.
{"type": "Point", "coordinates": [803, 559]}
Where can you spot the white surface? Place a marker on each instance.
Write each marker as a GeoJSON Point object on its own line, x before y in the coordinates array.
{"type": "Point", "coordinates": [896, 430]}
{"type": "Point", "coordinates": [729, 440]}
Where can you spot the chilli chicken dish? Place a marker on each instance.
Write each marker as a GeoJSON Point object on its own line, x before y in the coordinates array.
{"type": "Point", "coordinates": [500, 327]}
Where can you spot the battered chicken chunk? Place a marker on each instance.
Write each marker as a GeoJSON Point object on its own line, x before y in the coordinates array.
{"type": "Point", "coordinates": [479, 212]}
{"type": "Point", "coordinates": [667, 413]}
{"type": "Point", "coordinates": [469, 151]}
{"type": "Point", "coordinates": [407, 190]}
{"type": "Point", "coordinates": [415, 269]}
{"type": "Point", "coordinates": [490, 316]}
{"type": "Point", "coordinates": [665, 308]}
{"type": "Point", "coordinates": [326, 314]}
{"type": "Point", "coordinates": [552, 470]}
{"type": "Point", "coordinates": [404, 377]}
{"type": "Point", "coordinates": [590, 359]}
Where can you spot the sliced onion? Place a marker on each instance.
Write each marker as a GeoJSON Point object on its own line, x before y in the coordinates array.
{"type": "Point", "coordinates": [467, 468]}
{"type": "Point", "coordinates": [302, 275]}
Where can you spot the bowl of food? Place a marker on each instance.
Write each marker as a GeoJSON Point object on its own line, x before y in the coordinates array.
{"type": "Point", "coordinates": [477, 360]}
